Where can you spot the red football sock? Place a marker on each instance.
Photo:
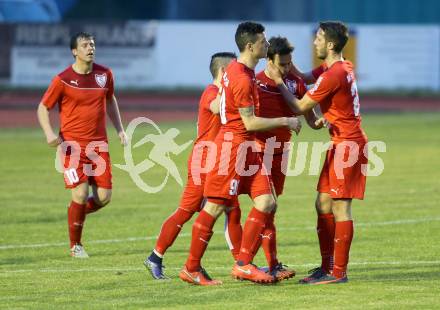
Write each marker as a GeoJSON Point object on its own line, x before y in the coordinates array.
{"type": "Point", "coordinates": [251, 240]}
{"type": "Point", "coordinates": [92, 206]}
{"type": "Point", "coordinates": [75, 219]}
{"type": "Point", "coordinates": [171, 228]}
{"type": "Point", "coordinates": [269, 241]}
{"type": "Point", "coordinates": [233, 231]}
{"type": "Point", "coordinates": [326, 235]}
{"type": "Point", "coordinates": [201, 233]}
{"type": "Point", "coordinates": [343, 238]}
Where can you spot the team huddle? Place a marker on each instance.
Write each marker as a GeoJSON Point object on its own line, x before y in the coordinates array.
{"type": "Point", "coordinates": [244, 128]}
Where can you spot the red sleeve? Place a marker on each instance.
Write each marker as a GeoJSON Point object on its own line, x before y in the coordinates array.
{"type": "Point", "coordinates": [111, 89]}
{"type": "Point", "coordinates": [54, 93]}
{"type": "Point", "coordinates": [207, 97]}
{"type": "Point", "coordinates": [323, 88]}
{"type": "Point", "coordinates": [243, 92]}
{"type": "Point", "coordinates": [301, 89]}
{"type": "Point", "coordinates": [318, 71]}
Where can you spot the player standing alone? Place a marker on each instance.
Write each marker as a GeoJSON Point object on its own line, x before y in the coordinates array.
{"type": "Point", "coordinates": [84, 93]}
{"type": "Point", "coordinates": [342, 178]}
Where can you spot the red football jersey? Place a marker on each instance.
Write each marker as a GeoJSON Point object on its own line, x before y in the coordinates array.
{"type": "Point", "coordinates": [272, 104]}
{"type": "Point", "coordinates": [239, 91]}
{"type": "Point", "coordinates": [336, 92]}
{"type": "Point", "coordinates": [81, 99]}
{"type": "Point", "coordinates": [319, 70]}
{"type": "Point", "coordinates": [208, 123]}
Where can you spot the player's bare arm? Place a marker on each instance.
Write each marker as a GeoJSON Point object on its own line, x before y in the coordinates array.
{"type": "Point", "coordinates": [255, 123]}
{"type": "Point", "coordinates": [298, 106]}
{"type": "Point", "coordinates": [276, 76]}
{"type": "Point", "coordinates": [214, 106]}
{"type": "Point", "coordinates": [43, 118]}
{"type": "Point", "coordinates": [307, 77]}
{"type": "Point", "coordinates": [115, 117]}
{"type": "Point", "coordinates": [314, 121]}
{"type": "Point", "coordinates": [303, 105]}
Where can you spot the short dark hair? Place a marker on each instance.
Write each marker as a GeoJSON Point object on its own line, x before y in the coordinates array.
{"type": "Point", "coordinates": [219, 60]}
{"type": "Point", "coordinates": [279, 45]}
{"type": "Point", "coordinates": [247, 33]}
{"type": "Point", "coordinates": [79, 35]}
{"type": "Point", "coordinates": [336, 32]}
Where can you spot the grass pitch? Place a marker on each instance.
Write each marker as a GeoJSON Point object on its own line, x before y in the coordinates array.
{"type": "Point", "coordinates": [394, 259]}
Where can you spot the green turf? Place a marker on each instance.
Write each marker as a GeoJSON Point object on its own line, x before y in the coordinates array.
{"type": "Point", "coordinates": [394, 256]}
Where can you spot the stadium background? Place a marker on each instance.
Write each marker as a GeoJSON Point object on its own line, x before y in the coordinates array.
{"type": "Point", "coordinates": [396, 48]}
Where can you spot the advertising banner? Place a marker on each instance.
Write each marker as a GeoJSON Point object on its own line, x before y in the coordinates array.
{"type": "Point", "coordinates": [41, 51]}
{"type": "Point", "coordinates": [398, 57]}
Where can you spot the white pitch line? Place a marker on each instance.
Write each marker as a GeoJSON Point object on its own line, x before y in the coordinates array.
{"type": "Point", "coordinates": [116, 269]}
{"type": "Point", "coordinates": [372, 224]}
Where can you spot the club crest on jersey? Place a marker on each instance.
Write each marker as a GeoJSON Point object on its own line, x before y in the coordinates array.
{"type": "Point", "coordinates": [291, 85]}
{"type": "Point", "coordinates": [101, 79]}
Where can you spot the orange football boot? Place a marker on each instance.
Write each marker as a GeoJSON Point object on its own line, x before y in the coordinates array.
{"type": "Point", "coordinates": [251, 272]}
{"type": "Point", "coordinates": [200, 277]}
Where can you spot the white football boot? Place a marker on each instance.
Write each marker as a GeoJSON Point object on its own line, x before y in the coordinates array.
{"type": "Point", "coordinates": [78, 251]}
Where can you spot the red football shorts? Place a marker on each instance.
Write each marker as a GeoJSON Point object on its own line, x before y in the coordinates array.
{"type": "Point", "coordinates": [192, 199]}
{"type": "Point", "coordinates": [239, 173]}
{"type": "Point", "coordinates": [344, 172]}
{"type": "Point", "coordinates": [81, 164]}
{"type": "Point", "coordinates": [277, 176]}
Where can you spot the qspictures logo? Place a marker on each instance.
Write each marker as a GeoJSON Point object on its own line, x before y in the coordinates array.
{"type": "Point", "coordinates": [73, 159]}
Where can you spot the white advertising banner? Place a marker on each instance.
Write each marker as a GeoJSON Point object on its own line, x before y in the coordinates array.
{"type": "Point", "coordinates": [42, 51]}
{"type": "Point", "coordinates": [184, 49]}
{"type": "Point", "coordinates": [176, 54]}
{"type": "Point", "coordinates": [393, 57]}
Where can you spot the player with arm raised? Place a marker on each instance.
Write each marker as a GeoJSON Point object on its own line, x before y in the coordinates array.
{"type": "Point", "coordinates": [272, 104]}
{"type": "Point", "coordinates": [342, 178]}
{"type": "Point", "coordinates": [228, 178]}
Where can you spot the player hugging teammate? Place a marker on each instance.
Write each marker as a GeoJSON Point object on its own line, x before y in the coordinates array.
{"type": "Point", "coordinates": [244, 130]}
